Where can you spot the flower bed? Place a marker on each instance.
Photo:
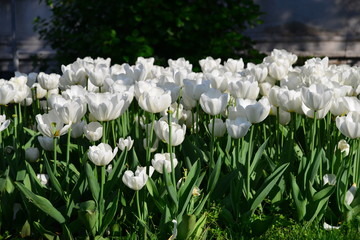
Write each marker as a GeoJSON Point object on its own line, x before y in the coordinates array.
{"type": "Point", "coordinates": [118, 150]}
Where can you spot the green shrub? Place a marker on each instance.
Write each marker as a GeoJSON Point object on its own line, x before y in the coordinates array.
{"type": "Point", "coordinates": [124, 30]}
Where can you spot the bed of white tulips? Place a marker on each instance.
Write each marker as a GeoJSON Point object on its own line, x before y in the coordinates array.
{"type": "Point", "coordinates": [145, 151]}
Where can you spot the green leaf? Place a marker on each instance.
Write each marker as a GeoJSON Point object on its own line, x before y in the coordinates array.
{"type": "Point", "coordinates": [25, 230]}
{"type": "Point", "coordinates": [317, 206]}
{"type": "Point", "coordinates": [113, 178]}
{"type": "Point", "coordinates": [185, 191]}
{"type": "Point", "coordinates": [55, 183]}
{"type": "Point", "coordinates": [266, 187]}
{"type": "Point", "coordinates": [214, 176]}
{"type": "Point", "coordinates": [89, 215]}
{"type": "Point", "coordinates": [171, 189]}
{"type": "Point", "coordinates": [42, 203]}
{"type": "Point", "coordinates": [110, 213]}
{"type": "Point", "coordinates": [66, 233]}
{"type": "Point", "coordinates": [92, 181]}
{"type": "Point", "coordinates": [258, 155]}
{"type": "Point", "coordinates": [44, 232]}
{"type": "Point", "coordinates": [299, 200]}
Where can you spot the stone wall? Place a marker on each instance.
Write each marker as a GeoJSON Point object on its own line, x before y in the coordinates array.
{"type": "Point", "coordinates": [20, 46]}
{"type": "Point", "coordinates": [311, 28]}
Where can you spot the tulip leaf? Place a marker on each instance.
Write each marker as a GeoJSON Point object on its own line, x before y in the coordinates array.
{"type": "Point", "coordinates": [258, 155]}
{"type": "Point", "coordinates": [36, 184]}
{"type": "Point", "coordinates": [316, 208]}
{"type": "Point", "coordinates": [66, 233]}
{"type": "Point", "coordinates": [53, 179]}
{"type": "Point", "coordinates": [214, 176]}
{"type": "Point", "coordinates": [110, 213]}
{"type": "Point", "coordinates": [93, 183]}
{"type": "Point", "coordinates": [114, 175]}
{"type": "Point", "coordinates": [171, 189]}
{"type": "Point", "coordinates": [320, 155]}
{"type": "Point", "coordinates": [299, 200]}
{"type": "Point", "coordinates": [186, 190]}
{"type": "Point", "coordinates": [267, 186]}
{"type": "Point", "coordinates": [42, 203]}
{"type": "Point", "coordinates": [201, 205]}
{"type": "Point", "coordinates": [44, 232]}
{"type": "Point", "coordinates": [89, 216]}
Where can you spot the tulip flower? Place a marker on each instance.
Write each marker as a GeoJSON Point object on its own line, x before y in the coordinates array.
{"type": "Point", "coordinates": [77, 129]}
{"type": "Point", "coordinates": [50, 124]}
{"type": "Point", "coordinates": [98, 74]}
{"type": "Point", "coordinates": [107, 106]}
{"type": "Point", "coordinates": [7, 92]}
{"type": "Point", "coordinates": [349, 125]}
{"type": "Point", "coordinates": [137, 180]}
{"type": "Point", "coordinates": [48, 81]}
{"type": "Point", "coordinates": [233, 65]}
{"type": "Point", "coordinates": [71, 111]}
{"type": "Point", "coordinates": [155, 100]}
{"type": "Point", "coordinates": [237, 128]}
{"type": "Point", "coordinates": [246, 88]}
{"type": "Point", "coordinates": [328, 227]}
{"type": "Point", "coordinates": [316, 97]}
{"type": "Point", "coordinates": [3, 122]}
{"type": "Point", "coordinates": [93, 131]}
{"type": "Point", "coordinates": [213, 102]}
{"type": "Point", "coordinates": [162, 160]}
{"type": "Point", "coordinates": [209, 64]}
{"type": "Point", "coordinates": [194, 88]}
{"type": "Point", "coordinates": [102, 154]}
{"type": "Point", "coordinates": [73, 74]}
{"type": "Point", "coordinates": [125, 144]}
{"type": "Point", "coordinates": [350, 194]}
{"type": "Point", "coordinates": [161, 128]}
{"type": "Point", "coordinates": [290, 101]}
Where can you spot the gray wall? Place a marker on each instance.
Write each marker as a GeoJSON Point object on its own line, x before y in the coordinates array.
{"type": "Point", "coordinates": [19, 44]}
{"type": "Point", "coordinates": [310, 28]}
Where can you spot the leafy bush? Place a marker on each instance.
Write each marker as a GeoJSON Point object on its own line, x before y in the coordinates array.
{"type": "Point", "coordinates": [124, 30]}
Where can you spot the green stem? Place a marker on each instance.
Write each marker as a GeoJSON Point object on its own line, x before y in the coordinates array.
{"type": "Point", "coordinates": [149, 136]}
{"type": "Point", "coordinates": [68, 159]}
{"type": "Point", "coordinates": [170, 148]}
{"type": "Point", "coordinates": [312, 145]}
{"type": "Point", "coordinates": [101, 197]}
{"type": "Point", "coordinates": [212, 162]}
{"type": "Point", "coordinates": [248, 165]}
{"type": "Point", "coordinates": [138, 205]}
{"type": "Point", "coordinates": [55, 160]}
{"type": "Point", "coordinates": [103, 139]}
{"type": "Point", "coordinates": [277, 130]}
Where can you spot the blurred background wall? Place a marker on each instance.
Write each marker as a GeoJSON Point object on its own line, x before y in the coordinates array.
{"type": "Point", "coordinates": [20, 46]}
{"type": "Point", "coordinates": [307, 28]}
{"type": "Point", "coordinates": [311, 28]}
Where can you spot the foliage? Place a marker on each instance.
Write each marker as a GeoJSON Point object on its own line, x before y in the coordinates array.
{"type": "Point", "coordinates": [124, 30]}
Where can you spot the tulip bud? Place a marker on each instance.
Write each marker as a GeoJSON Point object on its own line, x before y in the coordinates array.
{"type": "Point", "coordinates": [125, 143]}
{"type": "Point", "coordinates": [44, 178]}
{"type": "Point", "coordinates": [344, 147]}
{"type": "Point", "coordinates": [47, 143]}
{"type": "Point", "coordinates": [32, 154]}
{"type": "Point", "coordinates": [329, 179]}
{"type": "Point", "coordinates": [219, 127]}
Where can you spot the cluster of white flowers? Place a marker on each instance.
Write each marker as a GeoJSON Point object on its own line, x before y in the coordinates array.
{"type": "Point", "coordinates": [237, 95]}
